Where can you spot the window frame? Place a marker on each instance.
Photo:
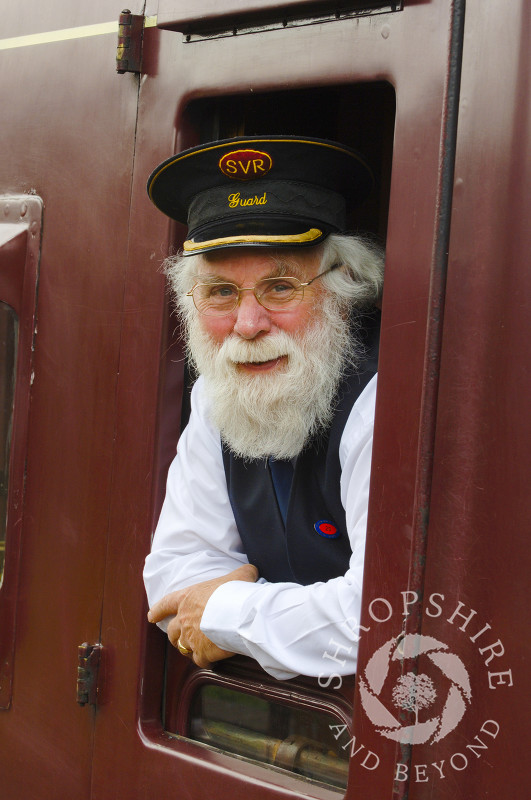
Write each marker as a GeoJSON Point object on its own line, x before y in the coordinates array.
{"type": "Point", "coordinates": [20, 241]}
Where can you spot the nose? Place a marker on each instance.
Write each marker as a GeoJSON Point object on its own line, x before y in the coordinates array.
{"type": "Point", "coordinates": [252, 319]}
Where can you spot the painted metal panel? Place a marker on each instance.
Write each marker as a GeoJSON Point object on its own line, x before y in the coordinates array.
{"type": "Point", "coordinates": [70, 140]}
{"type": "Point", "coordinates": [479, 556]}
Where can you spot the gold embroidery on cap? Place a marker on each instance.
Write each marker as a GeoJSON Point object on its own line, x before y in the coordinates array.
{"type": "Point", "coordinates": [190, 246]}
{"type": "Point", "coordinates": [236, 200]}
{"type": "Point", "coordinates": [245, 165]}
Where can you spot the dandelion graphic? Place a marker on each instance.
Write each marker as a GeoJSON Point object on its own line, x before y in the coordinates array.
{"type": "Point", "coordinates": [413, 692]}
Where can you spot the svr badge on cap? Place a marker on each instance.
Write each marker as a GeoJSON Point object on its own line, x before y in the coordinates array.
{"type": "Point", "coordinates": [245, 165]}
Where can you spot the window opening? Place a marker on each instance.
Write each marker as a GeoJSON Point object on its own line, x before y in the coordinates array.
{"type": "Point", "coordinates": [361, 116]}
{"type": "Point", "coordinates": [8, 357]}
{"type": "Point", "coordinates": [244, 723]}
{"type": "Point", "coordinates": [20, 238]}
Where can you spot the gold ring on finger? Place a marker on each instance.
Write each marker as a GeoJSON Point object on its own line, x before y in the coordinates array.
{"type": "Point", "coordinates": [182, 649]}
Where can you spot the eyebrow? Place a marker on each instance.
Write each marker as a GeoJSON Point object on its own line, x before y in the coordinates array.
{"type": "Point", "coordinates": [292, 267]}
{"type": "Point", "coordinates": [208, 279]}
{"type": "Point", "coordinates": [279, 269]}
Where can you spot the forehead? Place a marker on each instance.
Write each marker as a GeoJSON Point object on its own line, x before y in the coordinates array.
{"type": "Point", "coordinates": [261, 262]}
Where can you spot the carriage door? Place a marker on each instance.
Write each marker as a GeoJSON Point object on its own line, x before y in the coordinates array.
{"type": "Point", "coordinates": [68, 133]}
{"type": "Point", "coordinates": [380, 76]}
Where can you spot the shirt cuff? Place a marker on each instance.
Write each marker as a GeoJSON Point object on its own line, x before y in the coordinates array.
{"type": "Point", "coordinates": [222, 616]}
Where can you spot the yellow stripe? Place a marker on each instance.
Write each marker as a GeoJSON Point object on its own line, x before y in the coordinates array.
{"type": "Point", "coordinates": [294, 238]}
{"type": "Point", "coordinates": [67, 34]}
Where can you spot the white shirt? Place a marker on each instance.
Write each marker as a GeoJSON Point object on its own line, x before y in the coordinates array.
{"type": "Point", "coordinates": [288, 628]}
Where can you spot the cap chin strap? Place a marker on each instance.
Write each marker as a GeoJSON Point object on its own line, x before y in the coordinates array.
{"type": "Point", "coordinates": [190, 246]}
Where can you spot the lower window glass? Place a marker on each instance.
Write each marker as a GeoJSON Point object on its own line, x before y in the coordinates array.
{"type": "Point", "coordinates": [304, 741]}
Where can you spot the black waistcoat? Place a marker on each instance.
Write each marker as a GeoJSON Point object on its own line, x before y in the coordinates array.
{"type": "Point", "coordinates": [296, 551]}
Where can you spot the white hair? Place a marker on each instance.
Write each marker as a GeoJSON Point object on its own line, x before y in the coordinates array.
{"type": "Point", "coordinates": [358, 284]}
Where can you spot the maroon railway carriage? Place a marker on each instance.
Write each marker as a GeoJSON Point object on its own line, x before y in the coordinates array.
{"type": "Point", "coordinates": [437, 96]}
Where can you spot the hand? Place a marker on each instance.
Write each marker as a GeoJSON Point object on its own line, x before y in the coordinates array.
{"type": "Point", "coordinates": [187, 606]}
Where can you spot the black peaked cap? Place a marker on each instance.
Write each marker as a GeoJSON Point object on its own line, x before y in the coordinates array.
{"type": "Point", "coordinates": [273, 191]}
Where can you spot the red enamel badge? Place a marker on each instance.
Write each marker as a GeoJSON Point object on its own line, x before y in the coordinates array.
{"type": "Point", "coordinates": [327, 529]}
{"type": "Point", "coordinates": [245, 165]}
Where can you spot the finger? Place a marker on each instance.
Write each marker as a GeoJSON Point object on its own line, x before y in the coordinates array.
{"type": "Point", "coordinates": [200, 660]}
{"type": "Point", "coordinates": [183, 649]}
{"type": "Point", "coordinates": [165, 607]}
{"type": "Point", "coordinates": [174, 631]}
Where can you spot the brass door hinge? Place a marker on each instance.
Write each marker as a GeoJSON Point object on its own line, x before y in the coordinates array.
{"type": "Point", "coordinates": [130, 36]}
{"type": "Point", "coordinates": [88, 663]}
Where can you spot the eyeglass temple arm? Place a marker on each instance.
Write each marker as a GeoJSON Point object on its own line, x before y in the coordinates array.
{"type": "Point", "coordinates": [330, 269]}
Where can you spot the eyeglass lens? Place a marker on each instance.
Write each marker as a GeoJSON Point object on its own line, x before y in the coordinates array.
{"type": "Point", "coordinates": [222, 298]}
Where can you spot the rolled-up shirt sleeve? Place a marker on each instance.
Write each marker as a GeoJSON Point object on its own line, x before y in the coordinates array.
{"type": "Point", "coordinates": [288, 628]}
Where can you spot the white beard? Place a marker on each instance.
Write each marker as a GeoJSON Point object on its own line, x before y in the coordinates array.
{"type": "Point", "coordinates": [274, 413]}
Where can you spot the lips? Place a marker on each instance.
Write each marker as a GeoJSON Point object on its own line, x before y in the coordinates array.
{"type": "Point", "coordinates": [261, 366]}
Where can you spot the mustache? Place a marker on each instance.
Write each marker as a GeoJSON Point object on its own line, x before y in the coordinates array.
{"type": "Point", "coordinates": [239, 351]}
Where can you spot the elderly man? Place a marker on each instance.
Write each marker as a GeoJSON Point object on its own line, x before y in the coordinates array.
{"type": "Point", "coordinates": [260, 543]}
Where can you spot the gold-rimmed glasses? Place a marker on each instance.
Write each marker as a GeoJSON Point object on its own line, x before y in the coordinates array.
{"type": "Point", "coordinates": [219, 298]}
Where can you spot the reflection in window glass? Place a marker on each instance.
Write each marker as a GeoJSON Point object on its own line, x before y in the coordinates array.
{"type": "Point", "coordinates": [8, 357]}
{"type": "Point", "coordinates": [294, 738]}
